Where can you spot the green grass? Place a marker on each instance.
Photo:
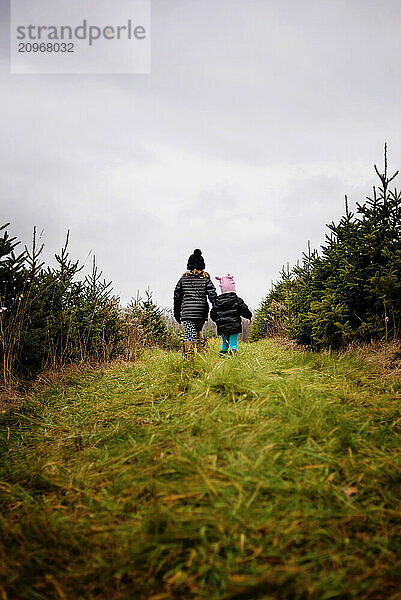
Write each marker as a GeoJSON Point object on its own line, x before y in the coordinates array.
{"type": "Point", "coordinates": [275, 474]}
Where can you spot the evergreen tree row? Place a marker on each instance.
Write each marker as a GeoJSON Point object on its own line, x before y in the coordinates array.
{"type": "Point", "coordinates": [351, 290]}
{"type": "Point", "coordinates": [50, 317]}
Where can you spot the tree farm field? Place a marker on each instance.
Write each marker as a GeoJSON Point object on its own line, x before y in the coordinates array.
{"type": "Point", "coordinates": [274, 474]}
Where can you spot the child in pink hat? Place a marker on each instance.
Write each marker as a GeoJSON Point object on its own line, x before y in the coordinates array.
{"type": "Point", "coordinates": [227, 311]}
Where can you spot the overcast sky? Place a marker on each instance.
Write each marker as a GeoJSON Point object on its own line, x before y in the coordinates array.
{"type": "Point", "coordinates": [256, 119]}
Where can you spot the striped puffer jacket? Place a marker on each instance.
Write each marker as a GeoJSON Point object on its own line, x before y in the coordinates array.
{"type": "Point", "coordinates": [190, 296]}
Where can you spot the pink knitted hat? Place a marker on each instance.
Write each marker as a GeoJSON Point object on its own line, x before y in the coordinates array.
{"type": "Point", "coordinates": [227, 283]}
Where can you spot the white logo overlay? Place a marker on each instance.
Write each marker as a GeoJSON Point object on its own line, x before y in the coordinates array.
{"type": "Point", "coordinates": [80, 36]}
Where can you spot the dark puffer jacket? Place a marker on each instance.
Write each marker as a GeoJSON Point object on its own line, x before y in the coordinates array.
{"type": "Point", "coordinates": [227, 312]}
{"type": "Point", "coordinates": [190, 296]}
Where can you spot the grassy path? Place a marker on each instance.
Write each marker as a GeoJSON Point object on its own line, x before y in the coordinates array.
{"type": "Point", "coordinates": [274, 474]}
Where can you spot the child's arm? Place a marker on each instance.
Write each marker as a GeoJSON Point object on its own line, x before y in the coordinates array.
{"type": "Point", "coordinates": [211, 291]}
{"type": "Point", "coordinates": [243, 309]}
{"type": "Point", "coordinates": [213, 315]}
{"type": "Point", "coordinates": [178, 301]}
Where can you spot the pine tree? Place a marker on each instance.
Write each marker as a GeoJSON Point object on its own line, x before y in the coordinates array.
{"type": "Point", "coordinates": [352, 289]}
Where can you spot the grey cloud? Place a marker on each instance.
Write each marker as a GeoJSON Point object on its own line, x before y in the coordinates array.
{"type": "Point", "coordinates": [253, 124]}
